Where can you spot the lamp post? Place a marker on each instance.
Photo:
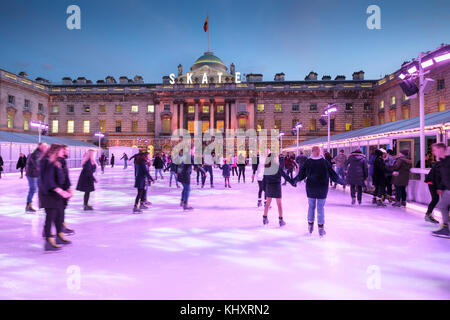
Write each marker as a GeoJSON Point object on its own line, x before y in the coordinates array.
{"type": "Point", "coordinates": [329, 110]}
{"type": "Point", "coordinates": [100, 136]}
{"type": "Point", "coordinates": [40, 126]}
{"type": "Point", "coordinates": [298, 126]}
{"type": "Point", "coordinates": [281, 140]}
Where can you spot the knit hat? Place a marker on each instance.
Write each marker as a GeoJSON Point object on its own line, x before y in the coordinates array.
{"type": "Point", "coordinates": [405, 152]}
{"type": "Point", "coordinates": [382, 150]}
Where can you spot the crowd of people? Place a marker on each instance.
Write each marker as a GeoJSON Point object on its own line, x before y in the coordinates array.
{"type": "Point", "coordinates": [47, 173]}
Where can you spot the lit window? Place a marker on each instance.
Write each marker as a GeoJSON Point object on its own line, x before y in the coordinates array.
{"type": "Point", "coordinates": [392, 100]}
{"type": "Point", "coordinates": [55, 109]}
{"type": "Point", "coordinates": [277, 107]}
{"type": "Point", "coordinates": [367, 122]}
{"type": "Point", "coordinates": [134, 126]}
{"type": "Point", "coordinates": [348, 107]}
{"type": "Point", "coordinates": [191, 109]}
{"type": "Point", "coordinates": [260, 125]}
{"type": "Point", "coordinates": [54, 126]}
{"type": "Point", "coordinates": [220, 109]}
{"type": "Point", "coordinates": [348, 126]}
{"type": "Point", "coordinates": [393, 118]}
{"type": "Point", "coordinates": [312, 125]}
{"type": "Point", "coordinates": [242, 123]}
{"type": "Point", "coordinates": [405, 113]}
{"type": "Point", "coordinates": [166, 125]}
{"type": "Point", "coordinates": [191, 126]}
{"type": "Point", "coordinates": [219, 125]}
{"type": "Point", "coordinates": [102, 109]}
{"type": "Point", "coordinates": [441, 106]}
{"type": "Point", "coordinates": [118, 108]}
{"type": "Point", "coordinates": [205, 126]}
{"type": "Point", "coordinates": [260, 107]}
{"type": "Point", "coordinates": [134, 109]}
{"type": "Point", "coordinates": [382, 104]}
{"type": "Point", "coordinates": [70, 126]}
{"type": "Point", "coordinates": [102, 125]}
{"type": "Point", "coordinates": [381, 118]}
{"type": "Point", "coordinates": [405, 97]}
{"type": "Point", "coordinates": [150, 126]}
{"type": "Point", "coordinates": [86, 126]}
{"type": "Point", "coordinates": [87, 109]}
{"type": "Point", "coordinates": [26, 124]}
{"type": "Point", "coordinates": [10, 121]}
{"type": "Point", "coordinates": [295, 107]}
{"type": "Point", "coordinates": [205, 109]}
{"type": "Point", "coordinates": [151, 108]}
{"type": "Point", "coordinates": [277, 124]}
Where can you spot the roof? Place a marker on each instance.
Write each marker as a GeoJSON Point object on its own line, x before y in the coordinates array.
{"type": "Point", "coordinates": [208, 59]}
{"type": "Point", "coordinates": [431, 119]}
{"type": "Point", "coordinates": [6, 136]}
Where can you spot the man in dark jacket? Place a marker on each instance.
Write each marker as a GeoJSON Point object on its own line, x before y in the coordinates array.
{"type": "Point", "coordinates": [379, 178]}
{"type": "Point", "coordinates": [32, 173]}
{"type": "Point", "coordinates": [400, 177]}
{"type": "Point", "coordinates": [159, 166]}
{"type": "Point", "coordinates": [356, 173]}
{"type": "Point", "coordinates": [184, 176]}
{"type": "Point", "coordinates": [443, 189]}
{"type": "Point", "coordinates": [21, 164]}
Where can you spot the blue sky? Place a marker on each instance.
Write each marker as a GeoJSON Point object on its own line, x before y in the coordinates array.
{"type": "Point", "coordinates": [150, 38]}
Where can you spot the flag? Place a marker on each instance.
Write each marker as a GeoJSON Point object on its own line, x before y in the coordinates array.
{"type": "Point", "coordinates": [205, 26]}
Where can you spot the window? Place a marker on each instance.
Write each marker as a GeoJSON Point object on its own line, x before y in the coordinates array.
{"type": "Point", "coordinates": [205, 109]}
{"type": "Point", "coordinates": [348, 126]}
{"type": "Point", "coordinates": [150, 126]}
{"type": "Point", "coordinates": [242, 108]}
{"type": "Point", "coordinates": [26, 124]}
{"type": "Point", "coordinates": [151, 108]}
{"type": "Point", "coordinates": [312, 125]}
{"type": "Point", "coordinates": [86, 108]}
{"type": "Point", "coordinates": [118, 108]}
{"type": "Point", "coordinates": [40, 107]}
{"type": "Point", "coordinates": [260, 125]}
{"type": "Point", "coordinates": [441, 84]}
{"type": "Point", "coordinates": [381, 104]}
{"type": "Point", "coordinates": [260, 107]}
{"type": "Point", "coordinates": [367, 122]}
{"type": "Point", "coordinates": [102, 125]}
{"type": "Point", "coordinates": [190, 126]}
{"type": "Point", "coordinates": [392, 100]}
{"type": "Point", "coordinates": [205, 126]}
{"type": "Point", "coordinates": [27, 104]}
{"type": "Point", "coordinates": [11, 99]}
{"type": "Point", "coordinates": [367, 107]}
{"type": "Point", "coordinates": [242, 123]}
{"type": "Point", "coordinates": [70, 109]}
{"type": "Point", "coordinates": [313, 107]}
{"type": "Point", "coordinates": [294, 122]}
{"type": "Point", "coordinates": [135, 109]}
{"type": "Point", "coordinates": [220, 109]}
{"type": "Point", "coordinates": [55, 126]}
{"type": "Point", "coordinates": [191, 109]}
{"type": "Point", "coordinates": [10, 120]}
{"type": "Point", "coordinates": [118, 125]}
{"type": "Point", "coordinates": [134, 126]}
{"type": "Point", "coordinates": [441, 106]}
{"type": "Point", "coordinates": [220, 125]}
{"type": "Point", "coordinates": [405, 113]}
{"type": "Point", "coordinates": [381, 118]}
{"type": "Point", "coordinates": [392, 116]}
{"type": "Point", "coordinates": [277, 124]}
{"type": "Point", "coordinates": [295, 107]}
{"type": "Point", "coordinates": [405, 97]}
{"type": "Point", "coordinates": [167, 107]}
{"type": "Point", "coordinates": [332, 125]}
{"type": "Point", "coordinates": [102, 109]}
{"type": "Point", "coordinates": [70, 126]}
{"type": "Point", "coordinates": [166, 125]}
{"type": "Point", "coordinates": [349, 107]}
{"type": "Point", "coordinates": [277, 107]}
{"type": "Point", "coordinates": [86, 126]}
{"type": "Point", "coordinates": [55, 109]}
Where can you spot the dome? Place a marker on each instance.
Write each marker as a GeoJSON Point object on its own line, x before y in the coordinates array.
{"type": "Point", "coordinates": [209, 59]}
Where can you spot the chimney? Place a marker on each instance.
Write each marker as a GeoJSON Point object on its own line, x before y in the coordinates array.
{"type": "Point", "coordinates": [166, 80]}
{"type": "Point", "coordinates": [340, 77]}
{"type": "Point", "coordinates": [123, 80]}
{"type": "Point", "coordinates": [110, 80]}
{"type": "Point", "coordinates": [138, 79]}
{"type": "Point", "coordinates": [81, 80]}
{"type": "Point", "coordinates": [312, 76]}
{"type": "Point", "coordinates": [252, 77]}
{"type": "Point", "coordinates": [67, 80]}
{"type": "Point", "coordinates": [23, 74]}
{"type": "Point", "coordinates": [279, 77]}
{"type": "Point", "coordinates": [359, 75]}
{"type": "Point", "coordinates": [326, 78]}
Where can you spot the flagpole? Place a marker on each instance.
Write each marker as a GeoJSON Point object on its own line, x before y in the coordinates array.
{"type": "Point", "coordinates": [208, 32]}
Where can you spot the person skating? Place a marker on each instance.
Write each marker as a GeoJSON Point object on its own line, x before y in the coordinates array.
{"type": "Point", "coordinates": [184, 176]}
{"type": "Point", "coordinates": [208, 169]}
{"type": "Point", "coordinates": [318, 172]}
{"type": "Point", "coordinates": [290, 165]}
{"type": "Point", "coordinates": [255, 163]}
{"type": "Point", "coordinates": [86, 180]}
{"type": "Point", "coordinates": [172, 167]}
{"type": "Point", "coordinates": [125, 160]}
{"type": "Point", "coordinates": [158, 163]}
{"type": "Point", "coordinates": [1, 166]}
{"type": "Point", "coordinates": [389, 161]}
{"type": "Point", "coordinates": [226, 170]}
{"type": "Point", "coordinates": [241, 166]}
{"type": "Point", "coordinates": [66, 186]}
{"type": "Point", "coordinates": [102, 161]}
{"type": "Point", "coordinates": [134, 158]}
{"type": "Point", "coordinates": [112, 160]}
{"type": "Point", "coordinates": [379, 178]}
{"type": "Point", "coordinates": [142, 181]}
{"type": "Point", "coordinates": [32, 174]}
{"type": "Point", "coordinates": [260, 179]}
{"type": "Point", "coordinates": [356, 173]}
{"type": "Point", "coordinates": [328, 157]}
{"type": "Point", "coordinates": [443, 188]}
{"type": "Point", "coordinates": [340, 161]}
{"type": "Point", "coordinates": [400, 177]}
{"type": "Point", "coordinates": [21, 163]}
{"type": "Point", "coordinates": [52, 196]}
{"type": "Point", "coordinates": [234, 165]}
{"type": "Point", "coordinates": [272, 182]}
{"type": "Point", "coordinates": [433, 179]}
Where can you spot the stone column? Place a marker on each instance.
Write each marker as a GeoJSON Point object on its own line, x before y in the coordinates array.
{"type": "Point", "coordinates": [233, 115]}
{"type": "Point", "coordinates": [196, 124]}
{"type": "Point", "coordinates": [174, 121]}
{"type": "Point", "coordinates": [252, 115]}
{"type": "Point", "coordinates": [181, 114]}
{"type": "Point", "coordinates": [212, 108]}
{"type": "Point", "coordinates": [227, 115]}
{"type": "Point", "coordinates": [157, 118]}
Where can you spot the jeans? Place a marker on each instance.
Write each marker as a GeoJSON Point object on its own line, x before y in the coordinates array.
{"type": "Point", "coordinates": [400, 193]}
{"type": "Point", "coordinates": [319, 203]}
{"type": "Point", "coordinates": [434, 199]}
{"type": "Point", "coordinates": [389, 185]}
{"type": "Point", "coordinates": [208, 169]}
{"type": "Point", "coordinates": [261, 188]}
{"type": "Point", "coordinates": [125, 164]}
{"type": "Point", "coordinates": [32, 184]}
{"type": "Point", "coordinates": [173, 174]}
{"type": "Point", "coordinates": [444, 205]}
{"type": "Point", "coordinates": [185, 192]}
{"type": "Point", "coordinates": [200, 173]}
{"type": "Point", "coordinates": [341, 173]}
{"type": "Point", "coordinates": [160, 173]}
{"type": "Point", "coordinates": [354, 189]}
{"type": "Point", "coordinates": [241, 173]}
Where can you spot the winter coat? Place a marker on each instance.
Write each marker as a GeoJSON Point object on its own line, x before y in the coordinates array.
{"type": "Point", "coordinates": [234, 163]}
{"type": "Point", "coordinates": [142, 176]}
{"type": "Point", "coordinates": [402, 165]}
{"type": "Point", "coordinates": [272, 182]}
{"type": "Point", "coordinates": [21, 163]}
{"type": "Point", "coordinates": [290, 164]}
{"type": "Point", "coordinates": [87, 179]}
{"type": "Point", "coordinates": [433, 178]}
{"type": "Point", "coordinates": [112, 160]}
{"type": "Point", "coordinates": [379, 170]}
{"type": "Point", "coordinates": [1, 164]}
{"type": "Point", "coordinates": [444, 172]}
{"type": "Point", "coordinates": [226, 170]}
{"type": "Point", "coordinates": [340, 160]}
{"type": "Point", "coordinates": [125, 157]}
{"type": "Point", "coordinates": [32, 166]}
{"type": "Point", "coordinates": [318, 172]}
{"type": "Point", "coordinates": [172, 167]}
{"type": "Point", "coordinates": [102, 159]}
{"type": "Point", "coordinates": [158, 163]}
{"type": "Point", "coordinates": [357, 170]}
{"type": "Point", "coordinates": [51, 176]}
{"type": "Point", "coordinates": [185, 170]}
{"type": "Point", "coordinates": [301, 159]}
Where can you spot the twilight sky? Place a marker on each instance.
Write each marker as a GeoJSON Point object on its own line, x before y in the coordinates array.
{"type": "Point", "coordinates": [150, 38]}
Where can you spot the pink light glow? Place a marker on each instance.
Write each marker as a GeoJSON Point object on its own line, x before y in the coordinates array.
{"type": "Point", "coordinates": [412, 70]}
{"type": "Point", "coordinates": [442, 57]}
{"type": "Point", "coordinates": [427, 63]}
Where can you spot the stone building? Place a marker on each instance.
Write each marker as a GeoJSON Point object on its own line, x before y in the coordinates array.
{"type": "Point", "coordinates": [133, 113]}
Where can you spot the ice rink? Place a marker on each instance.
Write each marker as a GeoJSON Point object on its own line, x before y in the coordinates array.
{"type": "Point", "coordinates": [220, 250]}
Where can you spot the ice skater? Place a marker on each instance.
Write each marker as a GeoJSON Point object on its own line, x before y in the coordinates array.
{"type": "Point", "coordinates": [102, 161]}
{"type": "Point", "coordinates": [86, 180]}
{"type": "Point", "coordinates": [255, 163]}
{"type": "Point", "coordinates": [125, 160]}
{"type": "Point", "coordinates": [142, 181]}
{"type": "Point", "coordinates": [260, 179]}
{"type": "Point", "coordinates": [184, 176]}
{"type": "Point", "coordinates": [32, 174]}
{"type": "Point", "coordinates": [242, 162]}
{"type": "Point", "coordinates": [356, 172]}
{"type": "Point", "coordinates": [400, 177]}
{"type": "Point", "coordinates": [233, 163]}
{"type": "Point", "coordinates": [318, 172]}
{"type": "Point", "coordinates": [379, 178]}
{"type": "Point", "coordinates": [172, 167]}
{"type": "Point", "coordinates": [21, 163]}
{"type": "Point", "coordinates": [226, 170]}
{"type": "Point", "coordinates": [1, 166]}
{"type": "Point", "coordinates": [158, 163]}
{"type": "Point", "coordinates": [112, 160]}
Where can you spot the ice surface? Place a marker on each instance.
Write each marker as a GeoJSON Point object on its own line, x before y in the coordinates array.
{"type": "Point", "coordinates": [220, 250]}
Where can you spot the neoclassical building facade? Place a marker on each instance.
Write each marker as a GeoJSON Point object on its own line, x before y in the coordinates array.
{"type": "Point", "coordinates": [131, 112]}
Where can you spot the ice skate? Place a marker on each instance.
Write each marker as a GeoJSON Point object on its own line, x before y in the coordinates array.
{"type": "Point", "coordinates": [310, 227]}
{"type": "Point", "coordinates": [353, 200]}
{"type": "Point", "coordinates": [137, 210]}
{"type": "Point", "coordinates": [259, 203]}
{"type": "Point", "coordinates": [61, 240]}
{"type": "Point", "coordinates": [322, 231]}
{"type": "Point", "coordinates": [50, 245]}
{"type": "Point", "coordinates": [430, 218]}
{"type": "Point", "coordinates": [281, 221]}
{"type": "Point", "coordinates": [442, 233]}
{"type": "Point", "coordinates": [29, 208]}
{"type": "Point", "coordinates": [187, 207]}
{"type": "Point", "coordinates": [265, 220]}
